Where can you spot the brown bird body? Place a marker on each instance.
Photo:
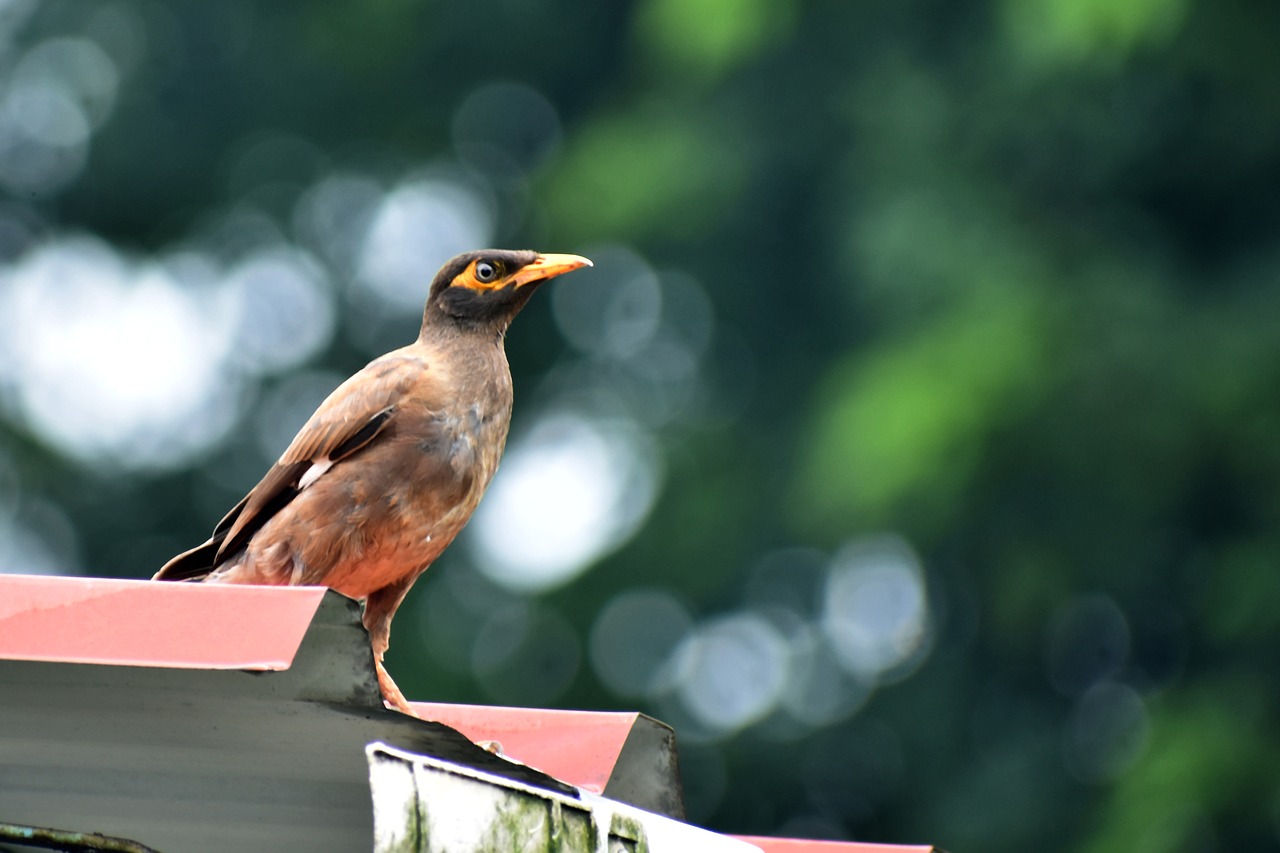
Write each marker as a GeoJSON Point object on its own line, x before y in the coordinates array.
{"type": "Point", "coordinates": [390, 467]}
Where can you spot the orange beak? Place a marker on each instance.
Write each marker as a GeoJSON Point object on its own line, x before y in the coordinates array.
{"type": "Point", "coordinates": [545, 267]}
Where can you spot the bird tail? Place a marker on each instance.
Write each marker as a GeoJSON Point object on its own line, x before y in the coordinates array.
{"type": "Point", "coordinates": [193, 565]}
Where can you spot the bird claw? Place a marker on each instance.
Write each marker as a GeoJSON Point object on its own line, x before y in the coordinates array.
{"type": "Point", "coordinates": [392, 698]}
{"type": "Point", "coordinates": [491, 746]}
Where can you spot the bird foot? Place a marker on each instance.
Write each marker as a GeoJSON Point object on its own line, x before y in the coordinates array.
{"type": "Point", "coordinates": [391, 695]}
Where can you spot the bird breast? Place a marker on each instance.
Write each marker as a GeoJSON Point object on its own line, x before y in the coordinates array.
{"type": "Point", "coordinates": [386, 512]}
{"type": "Point", "coordinates": [418, 500]}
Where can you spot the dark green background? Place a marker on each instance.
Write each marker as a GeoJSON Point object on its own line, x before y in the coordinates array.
{"type": "Point", "coordinates": [998, 278]}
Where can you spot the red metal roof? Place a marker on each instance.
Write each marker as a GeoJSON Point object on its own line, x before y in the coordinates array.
{"type": "Point", "coordinates": [578, 747]}
{"type": "Point", "coordinates": [234, 627]}
{"type": "Point", "coordinates": [142, 623]}
{"type": "Point", "coordinates": [800, 845]}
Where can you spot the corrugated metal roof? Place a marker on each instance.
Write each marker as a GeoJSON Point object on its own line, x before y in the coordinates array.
{"type": "Point", "coordinates": [196, 717]}
{"type": "Point", "coordinates": [140, 623]}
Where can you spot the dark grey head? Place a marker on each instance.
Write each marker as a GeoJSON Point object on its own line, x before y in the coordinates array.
{"type": "Point", "coordinates": [488, 288]}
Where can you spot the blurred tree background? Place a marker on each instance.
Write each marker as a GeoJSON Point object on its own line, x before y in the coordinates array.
{"type": "Point", "coordinates": [912, 447]}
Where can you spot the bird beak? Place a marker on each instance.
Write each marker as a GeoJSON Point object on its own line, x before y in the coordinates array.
{"type": "Point", "coordinates": [545, 267]}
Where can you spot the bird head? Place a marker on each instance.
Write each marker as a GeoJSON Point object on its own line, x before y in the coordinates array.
{"type": "Point", "coordinates": [486, 289]}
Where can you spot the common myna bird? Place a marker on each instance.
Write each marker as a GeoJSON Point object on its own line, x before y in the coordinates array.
{"type": "Point", "coordinates": [390, 467]}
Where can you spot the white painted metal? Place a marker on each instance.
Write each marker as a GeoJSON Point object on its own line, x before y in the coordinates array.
{"type": "Point", "coordinates": [425, 805]}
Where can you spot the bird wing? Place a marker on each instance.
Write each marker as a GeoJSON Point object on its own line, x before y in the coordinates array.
{"type": "Point", "coordinates": [352, 417]}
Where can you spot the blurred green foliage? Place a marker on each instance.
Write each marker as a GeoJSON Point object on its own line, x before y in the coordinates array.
{"type": "Point", "coordinates": [1001, 277]}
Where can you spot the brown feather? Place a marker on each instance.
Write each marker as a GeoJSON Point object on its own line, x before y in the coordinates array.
{"type": "Point", "coordinates": [347, 421]}
{"type": "Point", "coordinates": [392, 464]}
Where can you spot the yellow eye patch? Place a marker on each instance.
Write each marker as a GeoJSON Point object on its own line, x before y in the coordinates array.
{"type": "Point", "coordinates": [484, 275]}
{"type": "Point", "coordinates": [481, 274]}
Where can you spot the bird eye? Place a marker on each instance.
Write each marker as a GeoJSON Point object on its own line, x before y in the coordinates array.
{"type": "Point", "coordinates": [485, 272]}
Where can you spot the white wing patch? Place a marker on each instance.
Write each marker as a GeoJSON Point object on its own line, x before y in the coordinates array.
{"type": "Point", "coordinates": [313, 473]}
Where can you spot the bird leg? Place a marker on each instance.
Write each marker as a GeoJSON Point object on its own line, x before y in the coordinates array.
{"type": "Point", "coordinates": [391, 695]}
{"type": "Point", "coordinates": [379, 607]}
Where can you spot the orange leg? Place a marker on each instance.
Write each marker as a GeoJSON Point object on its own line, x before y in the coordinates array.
{"type": "Point", "coordinates": [391, 695]}
{"type": "Point", "coordinates": [379, 607]}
